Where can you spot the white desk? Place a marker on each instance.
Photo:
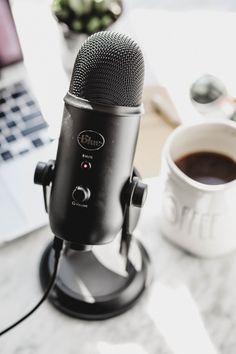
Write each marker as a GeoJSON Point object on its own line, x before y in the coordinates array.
{"type": "Point", "coordinates": [191, 300]}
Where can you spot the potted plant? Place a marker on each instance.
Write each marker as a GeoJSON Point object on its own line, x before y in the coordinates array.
{"type": "Point", "coordinates": [78, 19]}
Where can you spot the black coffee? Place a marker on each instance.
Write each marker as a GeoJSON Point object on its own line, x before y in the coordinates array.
{"type": "Point", "coordinates": [208, 167]}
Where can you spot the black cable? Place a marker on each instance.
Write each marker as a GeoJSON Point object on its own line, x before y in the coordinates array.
{"type": "Point", "coordinates": [57, 245]}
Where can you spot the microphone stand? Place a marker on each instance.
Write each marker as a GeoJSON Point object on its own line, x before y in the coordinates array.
{"type": "Point", "coordinates": [85, 288]}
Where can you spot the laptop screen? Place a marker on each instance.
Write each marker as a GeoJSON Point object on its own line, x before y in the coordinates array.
{"type": "Point", "coordinates": [10, 50]}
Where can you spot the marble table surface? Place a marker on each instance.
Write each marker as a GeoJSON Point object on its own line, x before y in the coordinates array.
{"type": "Point", "coordinates": [188, 309]}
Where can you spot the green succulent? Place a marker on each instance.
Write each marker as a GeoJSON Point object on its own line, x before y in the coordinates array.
{"type": "Point", "coordinates": [87, 16]}
{"type": "Point", "coordinates": [81, 7]}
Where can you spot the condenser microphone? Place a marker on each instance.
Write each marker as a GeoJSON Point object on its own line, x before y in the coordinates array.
{"type": "Point", "coordinates": [99, 131]}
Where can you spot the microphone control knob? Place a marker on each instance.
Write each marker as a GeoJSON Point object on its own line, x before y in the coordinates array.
{"type": "Point", "coordinates": [81, 194]}
{"type": "Point", "coordinates": [139, 194]}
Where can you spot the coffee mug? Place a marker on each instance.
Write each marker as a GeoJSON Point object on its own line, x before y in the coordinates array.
{"type": "Point", "coordinates": [199, 217]}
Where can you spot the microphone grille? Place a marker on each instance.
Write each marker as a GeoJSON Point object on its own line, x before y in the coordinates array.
{"type": "Point", "coordinates": [109, 69]}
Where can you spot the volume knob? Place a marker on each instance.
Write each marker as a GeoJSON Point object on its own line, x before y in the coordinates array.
{"type": "Point", "coordinates": [81, 194]}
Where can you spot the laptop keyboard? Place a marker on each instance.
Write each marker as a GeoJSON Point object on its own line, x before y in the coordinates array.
{"type": "Point", "coordinates": [22, 127]}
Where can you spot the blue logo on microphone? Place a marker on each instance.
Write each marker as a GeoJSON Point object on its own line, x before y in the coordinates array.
{"type": "Point", "coordinates": [90, 140]}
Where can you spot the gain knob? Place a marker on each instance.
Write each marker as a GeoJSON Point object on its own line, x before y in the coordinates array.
{"type": "Point", "coordinates": [81, 194]}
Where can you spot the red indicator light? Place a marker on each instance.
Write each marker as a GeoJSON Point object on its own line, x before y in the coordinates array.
{"type": "Point", "coordinates": [85, 165]}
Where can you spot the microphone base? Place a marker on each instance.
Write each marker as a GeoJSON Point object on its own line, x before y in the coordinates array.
{"type": "Point", "coordinates": [87, 289]}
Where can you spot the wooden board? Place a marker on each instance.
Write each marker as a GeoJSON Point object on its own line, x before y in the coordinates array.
{"type": "Point", "coordinates": [153, 133]}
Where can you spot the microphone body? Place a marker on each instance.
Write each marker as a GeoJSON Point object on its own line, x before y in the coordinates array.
{"type": "Point", "coordinates": [94, 165]}
{"type": "Point", "coordinates": [94, 191]}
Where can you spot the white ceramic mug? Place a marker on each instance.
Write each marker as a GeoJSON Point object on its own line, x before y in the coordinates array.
{"type": "Point", "coordinates": [198, 217]}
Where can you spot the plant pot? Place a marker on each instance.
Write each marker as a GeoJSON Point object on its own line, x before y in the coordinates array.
{"type": "Point", "coordinates": [71, 42]}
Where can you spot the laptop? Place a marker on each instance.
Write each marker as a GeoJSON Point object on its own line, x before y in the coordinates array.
{"type": "Point", "coordinates": [24, 139]}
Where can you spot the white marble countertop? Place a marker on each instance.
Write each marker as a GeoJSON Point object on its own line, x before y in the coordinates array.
{"type": "Point", "coordinates": [189, 308]}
